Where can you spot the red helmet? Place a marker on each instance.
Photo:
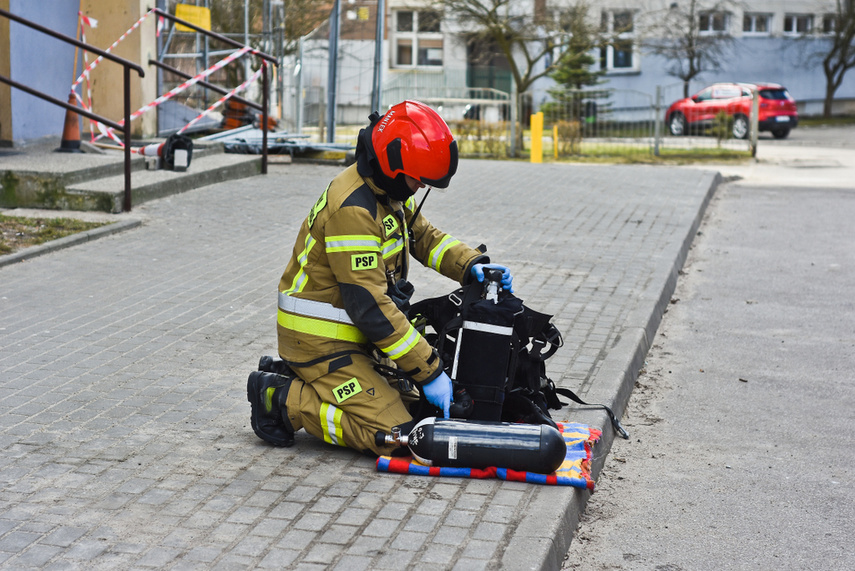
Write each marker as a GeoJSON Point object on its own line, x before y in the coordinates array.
{"type": "Point", "coordinates": [411, 138]}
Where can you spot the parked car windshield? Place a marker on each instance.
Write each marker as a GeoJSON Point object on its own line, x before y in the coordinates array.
{"type": "Point", "coordinates": [777, 94]}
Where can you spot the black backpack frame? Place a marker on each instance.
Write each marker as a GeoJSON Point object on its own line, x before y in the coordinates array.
{"type": "Point", "coordinates": [495, 377]}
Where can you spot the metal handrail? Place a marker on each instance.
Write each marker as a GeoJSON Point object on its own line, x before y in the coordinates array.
{"type": "Point", "coordinates": [127, 67]}
{"type": "Point", "coordinates": [60, 103]}
{"type": "Point", "coordinates": [265, 82]}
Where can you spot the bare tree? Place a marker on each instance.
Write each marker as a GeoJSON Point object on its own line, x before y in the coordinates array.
{"type": "Point", "coordinates": [840, 58]}
{"type": "Point", "coordinates": [525, 34]}
{"type": "Point", "coordinates": [692, 35]}
{"type": "Point", "coordinates": [297, 17]}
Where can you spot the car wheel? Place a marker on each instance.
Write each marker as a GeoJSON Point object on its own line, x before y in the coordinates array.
{"type": "Point", "coordinates": [740, 127]}
{"type": "Point", "coordinates": [780, 133]}
{"type": "Point", "coordinates": [677, 125]}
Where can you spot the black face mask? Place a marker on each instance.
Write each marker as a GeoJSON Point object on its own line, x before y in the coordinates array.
{"type": "Point", "coordinates": [367, 165]}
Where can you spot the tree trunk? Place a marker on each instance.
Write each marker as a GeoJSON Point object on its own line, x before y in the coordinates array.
{"type": "Point", "coordinates": [830, 88]}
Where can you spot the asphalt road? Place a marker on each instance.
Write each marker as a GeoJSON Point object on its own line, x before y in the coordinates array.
{"type": "Point", "coordinates": [741, 454]}
{"type": "Point", "coordinates": [821, 136]}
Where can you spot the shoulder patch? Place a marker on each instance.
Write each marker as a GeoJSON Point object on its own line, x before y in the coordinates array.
{"type": "Point", "coordinates": [364, 197]}
{"type": "Point", "coordinates": [390, 224]}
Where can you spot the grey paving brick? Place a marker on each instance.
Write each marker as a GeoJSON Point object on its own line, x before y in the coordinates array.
{"type": "Point", "coordinates": [85, 550]}
{"type": "Point", "coordinates": [63, 536]}
{"type": "Point", "coordinates": [395, 560]}
{"type": "Point", "coordinates": [158, 557]}
{"type": "Point", "coordinates": [278, 559]}
{"type": "Point", "coordinates": [203, 554]}
{"type": "Point", "coordinates": [480, 549]}
{"type": "Point", "coordinates": [17, 541]}
{"type": "Point", "coordinates": [353, 563]}
{"type": "Point", "coordinates": [353, 516]}
{"type": "Point", "coordinates": [297, 539]}
{"type": "Point", "coordinates": [312, 522]}
{"type": "Point", "coordinates": [408, 541]}
{"type": "Point", "coordinates": [448, 535]}
{"type": "Point", "coordinates": [34, 557]}
{"type": "Point", "coordinates": [381, 527]}
{"type": "Point", "coordinates": [439, 555]}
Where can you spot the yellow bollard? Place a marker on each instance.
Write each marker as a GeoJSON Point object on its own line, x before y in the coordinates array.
{"type": "Point", "coordinates": [537, 137]}
{"type": "Point", "coordinates": [555, 141]}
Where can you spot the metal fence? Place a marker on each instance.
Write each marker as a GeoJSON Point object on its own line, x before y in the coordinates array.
{"type": "Point", "coordinates": [615, 122]}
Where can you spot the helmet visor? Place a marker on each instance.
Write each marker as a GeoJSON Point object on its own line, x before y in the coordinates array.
{"type": "Point", "coordinates": [452, 169]}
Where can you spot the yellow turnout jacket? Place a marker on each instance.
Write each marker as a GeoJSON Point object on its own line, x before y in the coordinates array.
{"type": "Point", "coordinates": [334, 294]}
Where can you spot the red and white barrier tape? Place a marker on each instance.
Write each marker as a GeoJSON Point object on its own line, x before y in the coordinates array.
{"type": "Point", "coordinates": [108, 132]}
{"type": "Point", "coordinates": [85, 22]}
{"type": "Point", "coordinates": [190, 82]}
{"type": "Point", "coordinates": [222, 100]}
{"type": "Point", "coordinates": [95, 63]}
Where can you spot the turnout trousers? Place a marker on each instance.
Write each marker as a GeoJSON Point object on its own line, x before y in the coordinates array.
{"type": "Point", "coordinates": [349, 405]}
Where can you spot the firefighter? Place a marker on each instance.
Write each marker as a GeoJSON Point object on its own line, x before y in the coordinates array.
{"type": "Point", "coordinates": [344, 293]}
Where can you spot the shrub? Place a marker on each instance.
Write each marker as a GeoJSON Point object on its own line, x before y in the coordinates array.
{"type": "Point", "coordinates": [569, 138]}
{"type": "Point", "coordinates": [722, 127]}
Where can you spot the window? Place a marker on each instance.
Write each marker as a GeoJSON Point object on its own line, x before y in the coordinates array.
{"type": "Point", "coordinates": [756, 23]}
{"type": "Point", "coordinates": [795, 24]}
{"type": "Point", "coordinates": [622, 22]}
{"type": "Point", "coordinates": [775, 94]}
{"type": "Point", "coordinates": [829, 23]}
{"type": "Point", "coordinates": [704, 95]}
{"type": "Point", "coordinates": [727, 92]}
{"type": "Point", "coordinates": [712, 22]}
{"type": "Point", "coordinates": [620, 54]}
{"type": "Point", "coordinates": [417, 38]}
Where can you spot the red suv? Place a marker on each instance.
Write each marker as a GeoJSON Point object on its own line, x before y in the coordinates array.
{"type": "Point", "coordinates": [777, 109]}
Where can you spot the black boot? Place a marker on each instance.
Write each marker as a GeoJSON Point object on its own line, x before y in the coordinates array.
{"type": "Point", "coordinates": [266, 393]}
{"type": "Point", "coordinates": [274, 365]}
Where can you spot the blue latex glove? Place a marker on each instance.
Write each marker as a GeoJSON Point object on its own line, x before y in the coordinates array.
{"type": "Point", "coordinates": [507, 278]}
{"type": "Point", "coordinates": [438, 393]}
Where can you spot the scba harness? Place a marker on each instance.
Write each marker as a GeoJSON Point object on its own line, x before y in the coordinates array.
{"type": "Point", "coordinates": [495, 349]}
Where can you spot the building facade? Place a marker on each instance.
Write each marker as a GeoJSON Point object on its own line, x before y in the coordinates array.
{"type": "Point", "coordinates": [426, 54]}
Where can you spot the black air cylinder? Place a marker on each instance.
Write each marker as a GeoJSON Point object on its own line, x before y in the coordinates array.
{"type": "Point", "coordinates": [480, 444]}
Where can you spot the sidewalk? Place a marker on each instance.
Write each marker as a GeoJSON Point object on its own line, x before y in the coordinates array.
{"type": "Point", "coordinates": [124, 433]}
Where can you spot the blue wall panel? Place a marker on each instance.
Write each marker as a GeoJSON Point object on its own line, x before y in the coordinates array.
{"type": "Point", "coordinates": [41, 62]}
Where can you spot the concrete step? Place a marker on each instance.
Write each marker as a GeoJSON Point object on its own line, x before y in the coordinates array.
{"type": "Point", "coordinates": [40, 160]}
{"type": "Point", "coordinates": [37, 177]}
{"type": "Point", "coordinates": [107, 194]}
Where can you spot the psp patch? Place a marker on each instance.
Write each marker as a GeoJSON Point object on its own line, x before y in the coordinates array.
{"type": "Point", "coordinates": [363, 261]}
{"type": "Point", "coordinates": [346, 390]}
{"type": "Point", "coordinates": [390, 224]}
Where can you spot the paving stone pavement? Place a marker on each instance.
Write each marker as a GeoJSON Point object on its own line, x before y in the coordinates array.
{"type": "Point", "coordinates": [124, 427]}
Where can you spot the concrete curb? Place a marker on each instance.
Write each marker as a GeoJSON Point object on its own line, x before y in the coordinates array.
{"type": "Point", "coordinates": [553, 514]}
{"type": "Point", "coordinates": [68, 241]}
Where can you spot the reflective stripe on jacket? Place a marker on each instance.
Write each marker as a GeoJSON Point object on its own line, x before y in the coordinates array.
{"type": "Point", "coordinates": [333, 293]}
